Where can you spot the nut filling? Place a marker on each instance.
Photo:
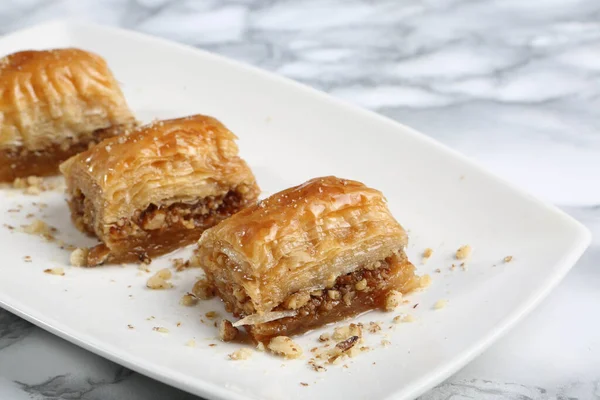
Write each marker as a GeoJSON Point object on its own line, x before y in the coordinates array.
{"type": "Point", "coordinates": [157, 229]}
{"type": "Point", "coordinates": [364, 289]}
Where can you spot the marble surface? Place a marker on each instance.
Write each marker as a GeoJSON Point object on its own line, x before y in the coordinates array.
{"type": "Point", "coordinates": [512, 84]}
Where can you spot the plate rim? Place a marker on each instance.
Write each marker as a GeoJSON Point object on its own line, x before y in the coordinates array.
{"type": "Point", "coordinates": [581, 239]}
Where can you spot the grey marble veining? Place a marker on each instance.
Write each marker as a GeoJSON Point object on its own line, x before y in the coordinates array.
{"type": "Point", "coordinates": [513, 84]}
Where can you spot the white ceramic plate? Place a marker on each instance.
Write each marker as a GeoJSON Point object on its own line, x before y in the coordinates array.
{"type": "Point", "coordinates": [290, 133]}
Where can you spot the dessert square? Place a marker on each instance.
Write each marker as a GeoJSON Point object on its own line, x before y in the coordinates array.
{"type": "Point", "coordinates": [157, 188]}
{"type": "Point", "coordinates": [307, 256]}
{"type": "Point", "coordinates": [54, 104]}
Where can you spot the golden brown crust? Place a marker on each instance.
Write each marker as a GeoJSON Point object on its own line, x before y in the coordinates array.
{"type": "Point", "coordinates": [56, 98]}
{"type": "Point", "coordinates": [302, 238]}
{"type": "Point", "coordinates": [161, 184]}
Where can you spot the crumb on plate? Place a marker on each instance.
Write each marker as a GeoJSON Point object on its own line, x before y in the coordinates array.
{"type": "Point", "coordinates": [241, 354]}
{"type": "Point", "coordinates": [440, 304]}
{"type": "Point", "coordinates": [78, 257]}
{"type": "Point", "coordinates": [55, 271]}
{"type": "Point", "coordinates": [160, 280]}
{"type": "Point", "coordinates": [464, 252]}
{"type": "Point", "coordinates": [284, 346]}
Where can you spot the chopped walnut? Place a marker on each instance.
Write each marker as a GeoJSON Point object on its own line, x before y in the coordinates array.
{"type": "Point", "coordinates": [180, 265]}
{"type": "Point", "coordinates": [361, 285]}
{"type": "Point", "coordinates": [241, 354]}
{"type": "Point", "coordinates": [160, 329]}
{"type": "Point", "coordinates": [188, 300]}
{"type": "Point", "coordinates": [296, 300]}
{"type": "Point", "coordinates": [324, 337]}
{"type": "Point", "coordinates": [284, 346]}
{"type": "Point", "coordinates": [203, 290]}
{"type": "Point", "coordinates": [374, 327]}
{"type": "Point", "coordinates": [316, 367]}
{"type": "Point", "coordinates": [334, 294]}
{"type": "Point", "coordinates": [55, 271]}
{"type": "Point", "coordinates": [160, 280]}
{"type": "Point", "coordinates": [227, 332]}
{"type": "Point", "coordinates": [79, 257]}
{"type": "Point", "coordinates": [392, 300]}
{"type": "Point", "coordinates": [508, 259]}
{"type": "Point", "coordinates": [347, 298]}
{"type": "Point", "coordinates": [344, 332]}
{"type": "Point", "coordinates": [345, 348]}
{"type": "Point", "coordinates": [440, 304]}
{"type": "Point", "coordinates": [464, 252]}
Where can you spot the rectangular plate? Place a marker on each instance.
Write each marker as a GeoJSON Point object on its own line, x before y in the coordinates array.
{"type": "Point", "coordinates": [288, 134]}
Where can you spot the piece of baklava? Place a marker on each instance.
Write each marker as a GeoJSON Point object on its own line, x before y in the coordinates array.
{"type": "Point", "coordinates": [157, 188]}
{"type": "Point", "coordinates": [306, 256]}
{"type": "Point", "coordinates": [54, 104]}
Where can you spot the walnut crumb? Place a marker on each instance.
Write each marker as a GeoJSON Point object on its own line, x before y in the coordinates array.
{"type": "Point", "coordinates": [344, 332]}
{"type": "Point", "coordinates": [160, 280]}
{"type": "Point", "coordinates": [79, 257]}
{"type": "Point", "coordinates": [392, 300]}
{"type": "Point", "coordinates": [180, 265]}
{"type": "Point", "coordinates": [284, 346]}
{"type": "Point", "coordinates": [316, 367]}
{"type": "Point", "coordinates": [385, 343]}
{"type": "Point", "coordinates": [438, 271]}
{"type": "Point", "coordinates": [241, 354]}
{"type": "Point", "coordinates": [304, 383]}
{"type": "Point", "coordinates": [27, 259]}
{"type": "Point", "coordinates": [130, 326]}
{"type": "Point", "coordinates": [190, 343]}
{"type": "Point", "coordinates": [188, 300]}
{"type": "Point", "coordinates": [203, 290]}
{"type": "Point", "coordinates": [55, 271]}
{"type": "Point", "coordinates": [403, 318]}
{"type": "Point", "coordinates": [211, 314]}
{"type": "Point", "coordinates": [227, 332]}
{"type": "Point", "coordinates": [160, 329]}
{"type": "Point", "coordinates": [324, 337]}
{"type": "Point", "coordinates": [508, 259]}
{"type": "Point", "coordinates": [374, 327]}
{"type": "Point", "coordinates": [440, 304]}
{"type": "Point", "coordinates": [464, 252]}
{"type": "Point", "coordinates": [426, 254]}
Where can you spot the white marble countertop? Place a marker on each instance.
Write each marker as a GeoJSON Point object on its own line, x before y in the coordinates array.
{"type": "Point", "coordinates": [513, 84]}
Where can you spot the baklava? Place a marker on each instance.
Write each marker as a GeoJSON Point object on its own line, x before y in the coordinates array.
{"type": "Point", "coordinates": [309, 255]}
{"type": "Point", "coordinates": [54, 104]}
{"type": "Point", "coordinates": [157, 188]}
